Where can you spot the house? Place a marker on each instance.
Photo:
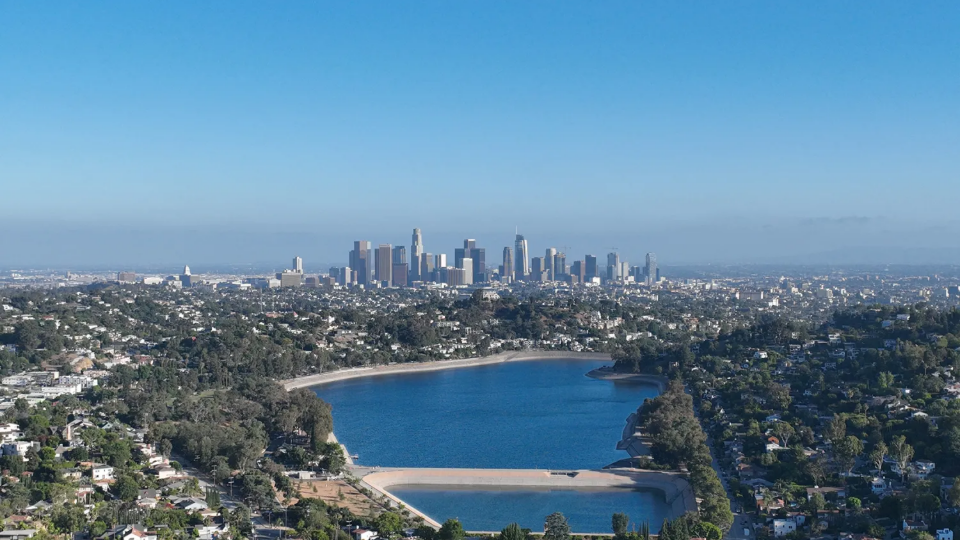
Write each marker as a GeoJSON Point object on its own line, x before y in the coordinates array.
{"type": "Point", "coordinates": [944, 534]}
{"type": "Point", "coordinates": [17, 534]}
{"type": "Point", "coordinates": [783, 527]}
{"type": "Point", "coordinates": [147, 498]}
{"type": "Point", "coordinates": [364, 534]}
{"type": "Point", "coordinates": [923, 469]}
{"type": "Point", "coordinates": [191, 504]}
{"type": "Point", "coordinates": [72, 473]}
{"type": "Point", "coordinates": [101, 473]}
{"type": "Point", "coordinates": [164, 471]}
{"type": "Point", "coordinates": [909, 526]}
{"type": "Point", "coordinates": [878, 486]}
{"type": "Point", "coordinates": [127, 532]}
{"type": "Point", "coordinates": [827, 492]}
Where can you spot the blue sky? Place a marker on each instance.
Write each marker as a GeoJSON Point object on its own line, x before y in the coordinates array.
{"type": "Point", "coordinates": [701, 130]}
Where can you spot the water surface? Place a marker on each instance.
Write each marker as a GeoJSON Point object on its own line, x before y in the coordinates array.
{"type": "Point", "coordinates": [490, 509]}
{"type": "Point", "coordinates": [515, 415]}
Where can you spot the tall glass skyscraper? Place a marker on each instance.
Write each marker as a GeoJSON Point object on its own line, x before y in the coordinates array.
{"type": "Point", "coordinates": [522, 258]}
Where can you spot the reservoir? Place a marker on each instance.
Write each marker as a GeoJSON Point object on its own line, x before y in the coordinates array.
{"type": "Point", "coordinates": [535, 414]}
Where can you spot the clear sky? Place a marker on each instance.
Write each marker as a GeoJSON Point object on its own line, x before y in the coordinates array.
{"type": "Point", "coordinates": [156, 132]}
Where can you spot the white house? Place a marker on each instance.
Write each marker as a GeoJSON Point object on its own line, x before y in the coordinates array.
{"type": "Point", "coordinates": [944, 534]}
{"type": "Point", "coordinates": [783, 527]}
{"type": "Point", "coordinates": [17, 448]}
{"type": "Point", "coordinates": [923, 469]}
{"type": "Point", "coordinates": [101, 473]}
{"type": "Point", "coordinates": [364, 534]}
{"type": "Point", "coordinates": [878, 486]}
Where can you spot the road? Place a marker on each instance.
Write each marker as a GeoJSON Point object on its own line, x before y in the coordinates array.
{"type": "Point", "coordinates": [261, 528]}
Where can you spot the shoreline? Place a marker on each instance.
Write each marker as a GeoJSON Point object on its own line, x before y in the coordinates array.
{"type": "Point", "coordinates": [437, 365]}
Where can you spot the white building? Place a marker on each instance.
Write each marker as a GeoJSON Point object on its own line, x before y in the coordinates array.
{"type": "Point", "coordinates": [101, 473]}
{"type": "Point", "coordinates": [944, 534]}
{"type": "Point", "coordinates": [783, 527]}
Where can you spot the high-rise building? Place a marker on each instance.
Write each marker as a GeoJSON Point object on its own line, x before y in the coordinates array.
{"type": "Point", "coordinates": [591, 270]}
{"type": "Point", "coordinates": [467, 265]}
{"type": "Point", "coordinates": [538, 270]}
{"type": "Point", "coordinates": [298, 265]}
{"type": "Point", "coordinates": [548, 263]}
{"type": "Point", "coordinates": [651, 270]}
{"type": "Point", "coordinates": [426, 267]}
{"type": "Point", "coordinates": [579, 270]}
{"type": "Point", "coordinates": [360, 262]}
{"type": "Point", "coordinates": [400, 274]}
{"type": "Point", "coordinates": [383, 259]}
{"type": "Point", "coordinates": [521, 260]}
{"type": "Point", "coordinates": [416, 250]}
{"type": "Point", "coordinates": [127, 277]}
{"type": "Point", "coordinates": [507, 273]}
{"type": "Point", "coordinates": [399, 255]}
{"type": "Point", "coordinates": [559, 265]}
{"type": "Point", "coordinates": [613, 266]}
{"type": "Point", "coordinates": [440, 260]}
{"type": "Point", "coordinates": [479, 256]}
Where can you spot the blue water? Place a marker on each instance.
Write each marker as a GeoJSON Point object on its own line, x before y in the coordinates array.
{"type": "Point", "coordinates": [516, 415]}
{"type": "Point", "coordinates": [587, 511]}
{"type": "Point", "coordinates": [542, 414]}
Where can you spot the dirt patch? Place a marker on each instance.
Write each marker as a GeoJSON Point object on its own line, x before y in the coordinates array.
{"type": "Point", "coordinates": [339, 493]}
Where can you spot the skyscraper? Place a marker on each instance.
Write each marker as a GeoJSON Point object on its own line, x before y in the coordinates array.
{"type": "Point", "coordinates": [384, 262]}
{"type": "Point", "coordinates": [548, 263]}
{"type": "Point", "coordinates": [591, 269]}
{"type": "Point", "coordinates": [538, 271]}
{"type": "Point", "coordinates": [559, 265]}
{"type": "Point", "coordinates": [361, 263]}
{"type": "Point", "coordinates": [298, 265]}
{"type": "Point", "coordinates": [399, 255]}
{"type": "Point", "coordinates": [467, 265]}
{"type": "Point", "coordinates": [579, 270]}
{"type": "Point", "coordinates": [613, 266]}
{"type": "Point", "coordinates": [440, 260]}
{"type": "Point", "coordinates": [426, 267]}
{"type": "Point", "coordinates": [521, 261]}
{"type": "Point", "coordinates": [416, 250]}
{"type": "Point", "coordinates": [507, 274]}
{"type": "Point", "coordinates": [651, 270]}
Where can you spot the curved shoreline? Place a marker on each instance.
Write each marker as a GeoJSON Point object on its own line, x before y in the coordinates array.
{"type": "Point", "coordinates": [437, 365]}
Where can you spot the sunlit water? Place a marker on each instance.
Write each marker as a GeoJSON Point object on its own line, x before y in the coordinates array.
{"type": "Point", "coordinates": [523, 415]}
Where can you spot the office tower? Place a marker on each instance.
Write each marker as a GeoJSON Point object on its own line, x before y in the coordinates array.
{"type": "Point", "coordinates": [479, 256]}
{"type": "Point", "coordinates": [298, 265]}
{"type": "Point", "coordinates": [126, 277]}
{"type": "Point", "coordinates": [400, 274]}
{"type": "Point", "coordinates": [548, 263]}
{"type": "Point", "coordinates": [591, 270]}
{"type": "Point", "coordinates": [186, 279]}
{"type": "Point", "coordinates": [469, 244]}
{"type": "Point", "coordinates": [521, 259]}
{"type": "Point", "coordinates": [459, 254]}
{"type": "Point", "coordinates": [538, 271]}
{"type": "Point", "coordinates": [579, 270]}
{"type": "Point", "coordinates": [291, 279]}
{"type": "Point", "coordinates": [360, 262]}
{"type": "Point", "coordinates": [467, 265]}
{"type": "Point", "coordinates": [624, 270]}
{"type": "Point", "coordinates": [506, 274]}
{"type": "Point", "coordinates": [383, 258]}
{"type": "Point", "coordinates": [613, 266]}
{"type": "Point", "coordinates": [416, 250]}
{"type": "Point", "coordinates": [559, 265]}
{"type": "Point", "coordinates": [426, 267]}
{"type": "Point", "coordinates": [399, 255]}
{"type": "Point", "coordinates": [651, 271]}
{"type": "Point", "coordinates": [440, 260]}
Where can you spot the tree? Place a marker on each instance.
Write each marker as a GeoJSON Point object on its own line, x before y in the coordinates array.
{"type": "Point", "coordinates": [389, 523]}
{"type": "Point", "coordinates": [877, 455]}
{"type": "Point", "coordinates": [165, 447]}
{"type": "Point", "coordinates": [708, 530]}
{"type": "Point", "coordinates": [954, 494]}
{"type": "Point", "coordinates": [513, 532]}
{"type": "Point", "coordinates": [213, 497]}
{"type": "Point", "coordinates": [846, 451]}
{"type": "Point", "coordinates": [902, 452]}
{"type": "Point", "coordinates": [855, 504]}
{"type": "Point", "coordinates": [784, 431]}
{"type": "Point", "coordinates": [620, 522]}
{"type": "Point", "coordinates": [126, 489]}
{"type": "Point", "coordinates": [451, 530]}
{"type": "Point", "coordinates": [556, 527]}
{"type": "Point", "coordinates": [836, 430]}
{"type": "Point", "coordinates": [816, 503]}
